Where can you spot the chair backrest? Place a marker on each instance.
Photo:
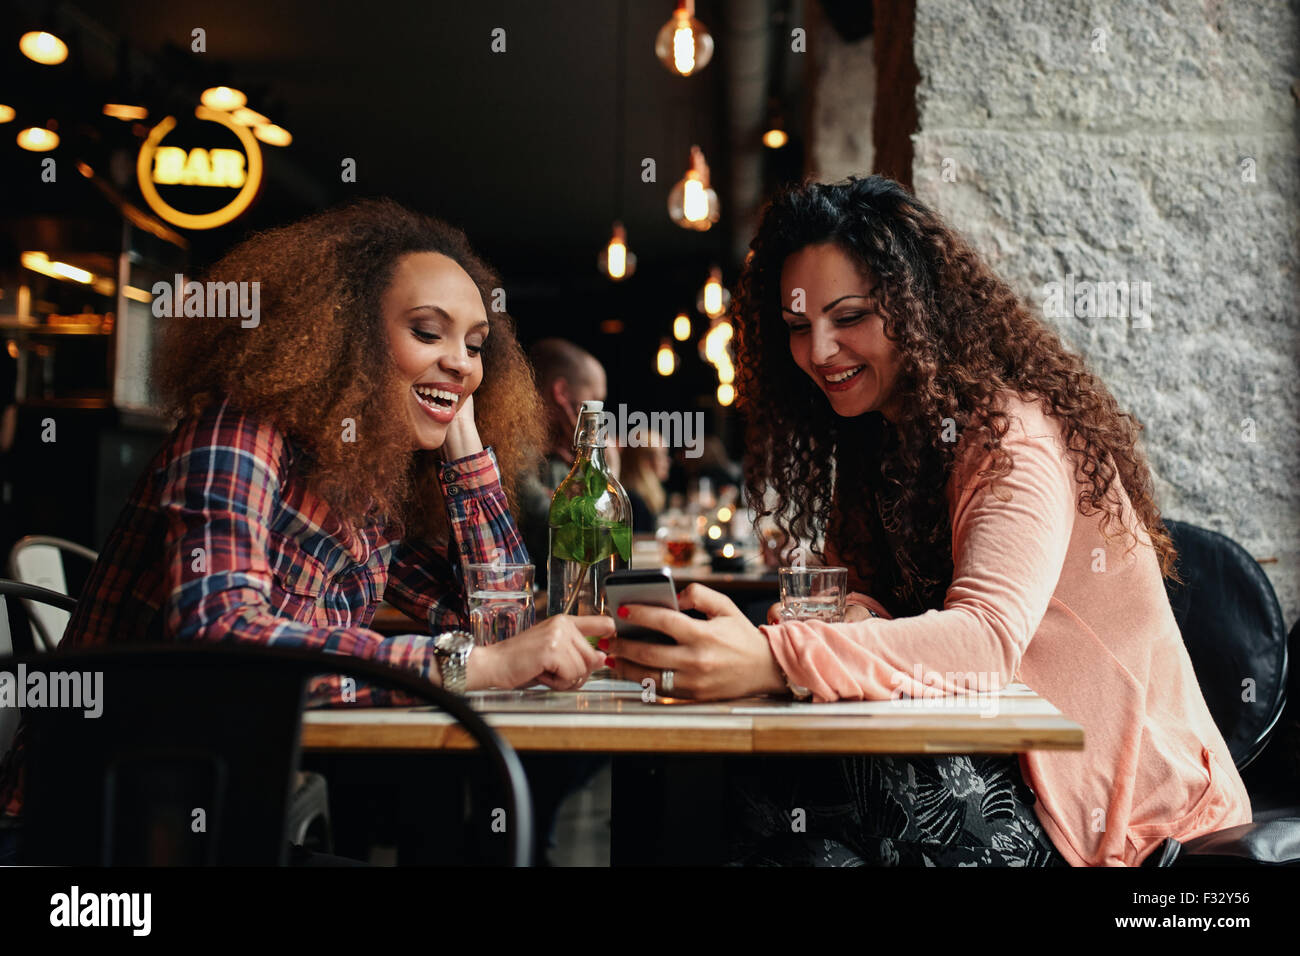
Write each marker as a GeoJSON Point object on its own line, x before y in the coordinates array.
{"type": "Point", "coordinates": [38, 559]}
{"type": "Point", "coordinates": [8, 715]}
{"type": "Point", "coordinates": [1232, 625]}
{"type": "Point", "coordinates": [31, 595]}
{"type": "Point", "coordinates": [191, 758]}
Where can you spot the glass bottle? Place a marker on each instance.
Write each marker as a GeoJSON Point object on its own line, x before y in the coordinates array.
{"type": "Point", "coordinates": [590, 524]}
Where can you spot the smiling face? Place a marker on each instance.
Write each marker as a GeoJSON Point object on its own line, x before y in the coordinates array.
{"type": "Point", "coordinates": [837, 333]}
{"type": "Point", "coordinates": [436, 327]}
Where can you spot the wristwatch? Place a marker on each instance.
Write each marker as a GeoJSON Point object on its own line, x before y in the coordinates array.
{"type": "Point", "coordinates": [798, 692]}
{"type": "Point", "coordinates": [452, 648]}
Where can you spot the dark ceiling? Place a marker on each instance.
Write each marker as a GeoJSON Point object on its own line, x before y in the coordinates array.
{"type": "Point", "coordinates": [519, 148]}
{"type": "Point", "coordinates": [534, 151]}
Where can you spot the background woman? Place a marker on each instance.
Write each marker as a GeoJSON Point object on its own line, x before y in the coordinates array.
{"type": "Point", "coordinates": [988, 496]}
{"type": "Point", "coordinates": [643, 470]}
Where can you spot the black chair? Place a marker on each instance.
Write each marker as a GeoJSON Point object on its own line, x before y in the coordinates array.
{"type": "Point", "coordinates": [1274, 778]}
{"type": "Point", "coordinates": [309, 812]}
{"type": "Point", "coordinates": [1232, 625]}
{"type": "Point", "coordinates": [44, 561]}
{"type": "Point", "coordinates": [192, 759]}
{"type": "Point", "coordinates": [27, 594]}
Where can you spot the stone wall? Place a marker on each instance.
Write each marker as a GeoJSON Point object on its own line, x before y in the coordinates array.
{"type": "Point", "coordinates": [843, 91]}
{"type": "Point", "coordinates": [1155, 145]}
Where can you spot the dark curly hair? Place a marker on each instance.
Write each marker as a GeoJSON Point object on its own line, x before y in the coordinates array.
{"type": "Point", "coordinates": [963, 336]}
{"type": "Point", "coordinates": [320, 354]}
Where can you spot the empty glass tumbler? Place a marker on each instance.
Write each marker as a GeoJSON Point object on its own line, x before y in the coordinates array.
{"type": "Point", "coordinates": [814, 594]}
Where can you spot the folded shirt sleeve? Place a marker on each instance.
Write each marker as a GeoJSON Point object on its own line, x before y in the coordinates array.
{"type": "Point", "coordinates": [219, 498]}
{"type": "Point", "coordinates": [427, 584]}
{"type": "Point", "coordinates": [1009, 546]}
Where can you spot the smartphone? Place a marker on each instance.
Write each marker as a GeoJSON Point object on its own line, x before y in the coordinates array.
{"type": "Point", "coordinates": [650, 586]}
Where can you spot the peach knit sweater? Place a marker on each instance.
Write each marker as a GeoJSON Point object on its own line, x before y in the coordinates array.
{"type": "Point", "coordinates": [1038, 595]}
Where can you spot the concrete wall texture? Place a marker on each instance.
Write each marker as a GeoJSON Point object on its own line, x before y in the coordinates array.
{"type": "Point", "coordinates": [1153, 146]}
{"type": "Point", "coordinates": [843, 94]}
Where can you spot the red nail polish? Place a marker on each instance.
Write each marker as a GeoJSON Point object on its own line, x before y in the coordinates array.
{"type": "Point", "coordinates": [603, 643]}
{"type": "Point", "coordinates": [609, 662]}
{"type": "Point", "coordinates": [622, 612]}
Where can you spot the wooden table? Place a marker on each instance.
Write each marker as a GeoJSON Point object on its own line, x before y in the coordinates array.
{"type": "Point", "coordinates": [608, 716]}
{"type": "Point", "coordinates": [671, 759]}
{"type": "Point", "coordinates": [389, 620]}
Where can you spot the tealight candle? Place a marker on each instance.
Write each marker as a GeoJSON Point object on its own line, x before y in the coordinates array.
{"type": "Point", "coordinates": [728, 558]}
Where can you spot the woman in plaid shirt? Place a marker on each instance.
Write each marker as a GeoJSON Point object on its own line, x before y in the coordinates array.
{"type": "Point", "coordinates": [332, 455]}
{"type": "Point", "coordinates": [356, 439]}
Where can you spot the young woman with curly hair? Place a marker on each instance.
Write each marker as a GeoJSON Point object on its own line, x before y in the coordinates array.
{"type": "Point", "coordinates": [996, 515]}
{"type": "Point", "coordinates": [358, 441]}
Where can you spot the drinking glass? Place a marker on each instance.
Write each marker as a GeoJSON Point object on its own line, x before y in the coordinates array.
{"type": "Point", "coordinates": [500, 598]}
{"type": "Point", "coordinates": [678, 539]}
{"type": "Point", "coordinates": [813, 594]}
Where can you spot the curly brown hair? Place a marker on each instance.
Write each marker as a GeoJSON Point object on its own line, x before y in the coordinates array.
{"type": "Point", "coordinates": [963, 336]}
{"type": "Point", "coordinates": [320, 354]}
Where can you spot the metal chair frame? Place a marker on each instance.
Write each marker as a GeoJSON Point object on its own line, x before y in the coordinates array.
{"type": "Point", "coordinates": [303, 664]}
{"type": "Point", "coordinates": [39, 540]}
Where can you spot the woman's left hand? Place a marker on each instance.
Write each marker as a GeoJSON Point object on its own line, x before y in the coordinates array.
{"type": "Point", "coordinates": [462, 434]}
{"type": "Point", "coordinates": [723, 657]}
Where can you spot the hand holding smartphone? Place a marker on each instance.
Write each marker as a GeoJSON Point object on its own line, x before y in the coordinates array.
{"type": "Point", "coordinates": [651, 586]}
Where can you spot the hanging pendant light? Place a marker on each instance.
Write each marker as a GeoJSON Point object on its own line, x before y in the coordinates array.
{"type": "Point", "coordinates": [272, 135]}
{"type": "Point", "coordinates": [123, 98]}
{"type": "Point", "coordinates": [684, 44]}
{"type": "Point", "coordinates": [127, 112]}
{"type": "Point", "coordinates": [716, 343]}
{"type": "Point", "coordinates": [692, 204]}
{"type": "Point", "coordinates": [714, 299]}
{"type": "Point", "coordinates": [43, 47]}
{"type": "Point", "coordinates": [774, 134]}
{"type": "Point", "coordinates": [682, 327]}
{"type": "Point", "coordinates": [665, 359]}
{"type": "Point", "coordinates": [223, 98]}
{"type": "Point", "coordinates": [715, 346]}
{"type": "Point", "coordinates": [246, 117]}
{"type": "Point", "coordinates": [614, 260]}
{"type": "Point", "coordinates": [38, 139]}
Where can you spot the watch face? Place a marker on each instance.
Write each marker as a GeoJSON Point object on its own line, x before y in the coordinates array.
{"type": "Point", "coordinates": [451, 642]}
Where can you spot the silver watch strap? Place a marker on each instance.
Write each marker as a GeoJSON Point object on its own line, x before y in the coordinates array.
{"type": "Point", "coordinates": [453, 664]}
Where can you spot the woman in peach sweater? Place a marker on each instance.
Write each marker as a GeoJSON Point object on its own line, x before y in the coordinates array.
{"type": "Point", "coordinates": [997, 518]}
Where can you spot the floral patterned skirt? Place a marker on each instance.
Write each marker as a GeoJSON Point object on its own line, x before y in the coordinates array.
{"type": "Point", "coordinates": [884, 811]}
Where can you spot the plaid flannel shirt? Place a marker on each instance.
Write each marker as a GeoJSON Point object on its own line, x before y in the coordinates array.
{"type": "Point", "coordinates": [221, 540]}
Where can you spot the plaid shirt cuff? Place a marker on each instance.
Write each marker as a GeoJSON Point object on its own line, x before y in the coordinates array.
{"type": "Point", "coordinates": [468, 475]}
